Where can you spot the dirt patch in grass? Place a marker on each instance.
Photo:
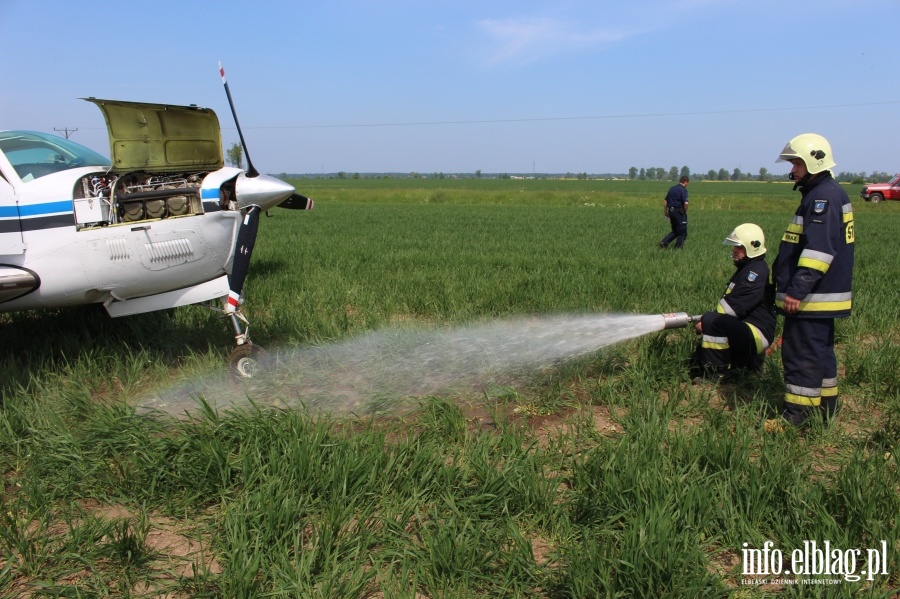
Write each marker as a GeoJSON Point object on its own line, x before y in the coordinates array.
{"type": "Point", "coordinates": [542, 550]}
{"type": "Point", "coordinates": [603, 422]}
{"type": "Point", "coordinates": [727, 565]}
{"type": "Point", "coordinates": [176, 553]}
{"type": "Point", "coordinates": [175, 545]}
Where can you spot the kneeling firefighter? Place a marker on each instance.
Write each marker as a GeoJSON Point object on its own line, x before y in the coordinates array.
{"type": "Point", "coordinates": [737, 334]}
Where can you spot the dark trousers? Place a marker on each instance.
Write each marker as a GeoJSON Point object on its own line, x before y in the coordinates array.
{"type": "Point", "coordinates": [727, 342]}
{"type": "Point", "coordinates": [678, 222]}
{"type": "Point", "coordinates": [810, 369]}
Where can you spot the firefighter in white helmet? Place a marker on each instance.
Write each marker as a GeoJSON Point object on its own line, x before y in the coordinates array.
{"type": "Point", "coordinates": [813, 275]}
{"type": "Point", "coordinates": [736, 335]}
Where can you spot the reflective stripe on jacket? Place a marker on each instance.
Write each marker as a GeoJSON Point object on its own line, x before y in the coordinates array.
{"type": "Point", "coordinates": [815, 257]}
{"type": "Point", "coordinates": [748, 298]}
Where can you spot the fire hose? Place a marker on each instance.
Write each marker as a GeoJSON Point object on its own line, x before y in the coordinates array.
{"type": "Point", "coordinates": [679, 320]}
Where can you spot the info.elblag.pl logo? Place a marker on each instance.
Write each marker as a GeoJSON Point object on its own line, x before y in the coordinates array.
{"type": "Point", "coordinates": [814, 559]}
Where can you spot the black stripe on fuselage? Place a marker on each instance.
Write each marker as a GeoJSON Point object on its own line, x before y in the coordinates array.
{"type": "Point", "coordinates": [40, 223]}
{"type": "Point", "coordinates": [9, 226]}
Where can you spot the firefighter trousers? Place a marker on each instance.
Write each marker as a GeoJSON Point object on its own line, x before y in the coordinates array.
{"type": "Point", "coordinates": [678, 222]}
{"type": "Point", "coordinates": [727, 342]}
{"type": "Point", "coordinates": [810, 369]}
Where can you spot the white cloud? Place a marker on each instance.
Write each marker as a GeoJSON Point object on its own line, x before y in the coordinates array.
{"type": "Point", "coordinates": [527, 40]}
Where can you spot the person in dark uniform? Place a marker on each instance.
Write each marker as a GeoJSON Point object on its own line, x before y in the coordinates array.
{"type": "Point", "coordinates": [675, 208]}
{"type": "Point", "coordinates": [737, 334]}
{"type": "Point", "coordinates": [813, 276]}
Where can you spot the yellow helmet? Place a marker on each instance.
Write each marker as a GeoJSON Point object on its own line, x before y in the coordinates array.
{"type": "Point", "coordinates": [813, 149]}
{"type": "Point", "coordinates": [750, 236]}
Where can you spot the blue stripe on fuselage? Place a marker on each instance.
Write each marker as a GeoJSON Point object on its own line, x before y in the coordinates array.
{"type": "Point", "coordinates": [209, 193]}
{"type": "Point", "coordinates": [37, 217]}
{"type": "Point", "coordinates": [32, 210]}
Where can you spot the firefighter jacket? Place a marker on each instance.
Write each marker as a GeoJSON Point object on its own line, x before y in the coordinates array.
{"type": "Point", "coordinates": [815, 258]}
{"type": "Point", "coordinates": [676, 199]}
{"type": "Point", "coordinates": [748, 297]}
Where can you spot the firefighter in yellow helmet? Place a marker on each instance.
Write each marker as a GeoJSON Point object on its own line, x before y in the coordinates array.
{"type": "Point", "coordinates": [813, 275]}
{"type": "Point", "coordinates": [737, 334]}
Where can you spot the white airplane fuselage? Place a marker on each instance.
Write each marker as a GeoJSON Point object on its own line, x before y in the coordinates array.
{"type": "Point", "coordinates": [157, 225]}
{"type": "Point", "coordinates": [57, 249]}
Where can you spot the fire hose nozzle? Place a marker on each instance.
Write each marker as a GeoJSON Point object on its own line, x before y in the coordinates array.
{"type": "Point", "coordinates": [678, 320]}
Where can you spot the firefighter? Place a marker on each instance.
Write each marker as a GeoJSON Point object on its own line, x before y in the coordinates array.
{"type": "Point", "coordinates": [813, 274]}
{"type": "Point", "coordinates": [675, 207]}
{"type": "Point", "coordinates": [737, 334]}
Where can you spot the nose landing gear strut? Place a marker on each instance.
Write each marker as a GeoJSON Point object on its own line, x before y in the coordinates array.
{"type": "Point", "coordinates": [247, 359]}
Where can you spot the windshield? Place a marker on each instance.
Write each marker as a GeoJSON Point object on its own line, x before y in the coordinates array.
{"type": "Point", "coordinates": [35, 155]}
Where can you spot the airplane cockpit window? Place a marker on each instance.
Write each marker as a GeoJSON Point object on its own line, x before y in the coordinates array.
{"type": "Point", "coordinates": [34, 155]}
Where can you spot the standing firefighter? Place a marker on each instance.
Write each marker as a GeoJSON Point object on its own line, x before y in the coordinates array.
{"type": "Point", "coordinates": [813, 273]}
{"type": "Point", "coordinates": [675, 208]}
{"type": "Point", "coordinates": [742, 327]}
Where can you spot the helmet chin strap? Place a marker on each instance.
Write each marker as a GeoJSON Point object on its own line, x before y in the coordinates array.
{"type": "Point", "coordinates": [799, 182]}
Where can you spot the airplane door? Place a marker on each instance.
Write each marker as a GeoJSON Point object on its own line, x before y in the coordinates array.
{"type": "Point", "coordinates": [10, 229]}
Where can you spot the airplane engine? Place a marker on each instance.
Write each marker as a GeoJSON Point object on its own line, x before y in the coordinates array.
{"type": "Point", "coordinates": [103, 199]}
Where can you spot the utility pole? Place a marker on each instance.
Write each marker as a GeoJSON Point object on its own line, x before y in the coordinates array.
{"type": "Point", "coordinates": [65, 131]}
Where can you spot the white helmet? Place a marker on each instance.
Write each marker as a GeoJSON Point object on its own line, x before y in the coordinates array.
{"type": "Point", "coordinates": [813, 149]}
{"type": "Point", "coordinates": [750, 236]}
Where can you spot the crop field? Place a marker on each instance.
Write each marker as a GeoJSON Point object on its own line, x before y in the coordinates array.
{"type": "Point", "coordinates": [605, 475]}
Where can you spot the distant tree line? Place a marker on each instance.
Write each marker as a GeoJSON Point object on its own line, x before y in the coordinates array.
{"type": "Point", "coordinates": [674, 173]}
{"type": "Point", "coordinates": [658, 174]}
{"type": "Point", "coordinates": [860, 178]}
{"type": "Point", "coordinates": [643, 174]}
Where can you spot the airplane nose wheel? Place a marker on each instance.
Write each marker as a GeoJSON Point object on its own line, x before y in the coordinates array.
{"type": "Point", "coordinates": [247, 360]}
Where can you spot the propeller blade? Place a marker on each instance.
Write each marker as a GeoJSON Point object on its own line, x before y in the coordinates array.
{"type": "Point", "coordinates": [297, 202]}
{"type": "Point", "coordinates": [246, 239]}
{"type": "Point", "coordinates": [251, 171]}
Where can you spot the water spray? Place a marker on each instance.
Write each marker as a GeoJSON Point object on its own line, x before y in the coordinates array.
{"type": "Point", "coordinates": [383, 370]}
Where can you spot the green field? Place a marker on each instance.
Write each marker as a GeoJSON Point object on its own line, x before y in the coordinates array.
{"type": "Point", "coordinates": [609, 476]}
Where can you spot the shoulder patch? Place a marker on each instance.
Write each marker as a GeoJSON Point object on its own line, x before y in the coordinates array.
{"type": "Point", "coordinates": [752, 276]}
{"type": "Point", "coordinates": [820, 206]}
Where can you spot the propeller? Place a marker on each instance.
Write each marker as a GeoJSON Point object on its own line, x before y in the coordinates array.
{"type": "Point", "coordinates": [251, 171]}
{"type": "Point", "coordinates": [255, 193]}
{"type": "Point", "coordinates": [246, 239]}
{"type": "Point", "coordinates": [297, 202]}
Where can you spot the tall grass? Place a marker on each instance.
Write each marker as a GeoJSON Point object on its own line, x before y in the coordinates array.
{"type": "Point", "coordinates": [611, 476]}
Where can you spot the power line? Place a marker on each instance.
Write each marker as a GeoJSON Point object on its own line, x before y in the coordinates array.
{"type": "Point", "coordinates": [66, 131]}
{"type": "Point", "coordinates": [579, 118]}
{"type": "Point", "coordinates": [565, 118]}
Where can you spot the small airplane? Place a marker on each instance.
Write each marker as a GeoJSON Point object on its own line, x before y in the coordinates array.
{"type": "Point", "coordinates": [162, 224]}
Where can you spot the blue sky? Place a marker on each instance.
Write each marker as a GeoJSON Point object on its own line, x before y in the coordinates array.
{"type": "Point", "coordinates": [497, 86]}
